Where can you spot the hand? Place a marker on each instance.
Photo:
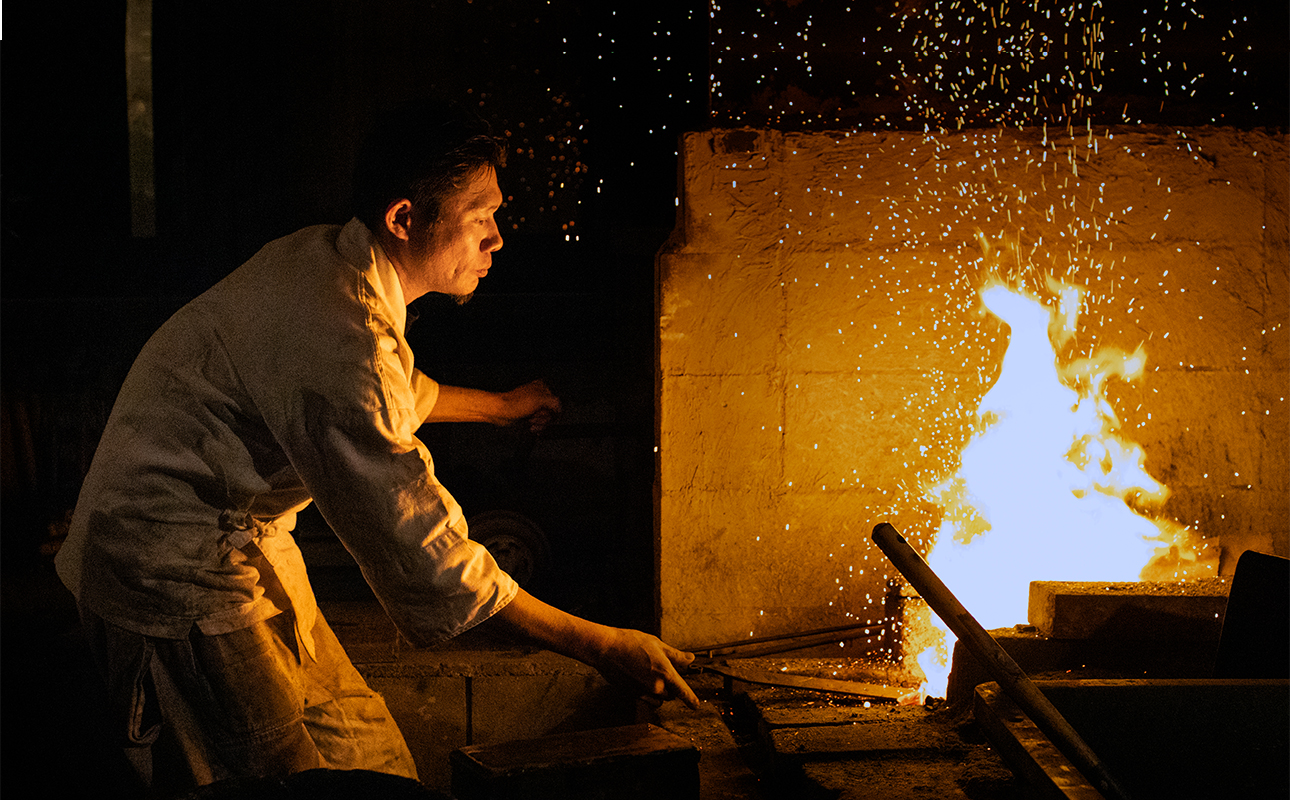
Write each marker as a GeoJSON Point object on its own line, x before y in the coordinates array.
{"type": "Point", "coordinates": [642, 663]}
{"type": "Point", "coordinates": [631, 659]}
{"type": "Point", "coordinates": [533, 402]}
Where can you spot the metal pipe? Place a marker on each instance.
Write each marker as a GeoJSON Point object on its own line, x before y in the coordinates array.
{"type": "Point", "coordinates": [995, 659]}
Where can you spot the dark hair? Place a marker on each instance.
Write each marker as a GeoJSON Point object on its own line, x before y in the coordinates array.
{"type": "Point", "coordinates": [421, 151]}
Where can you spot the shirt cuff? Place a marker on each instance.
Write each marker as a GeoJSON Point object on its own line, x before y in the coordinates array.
{"type": "Point", "coordinates": [426, 391]}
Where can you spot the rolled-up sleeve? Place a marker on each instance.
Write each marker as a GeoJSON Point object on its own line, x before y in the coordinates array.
{"type": "Point", "coordinates": [348, 422]}
{"type": "Point", "coordinates": [374, 483]}
{"type": "Point", "coordinates": [426, 391]}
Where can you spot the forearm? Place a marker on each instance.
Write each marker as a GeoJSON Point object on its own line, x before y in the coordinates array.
{"type": "Point", "coordinates": [632, 659]}
{"type": "Point", "coordinates": [458, 404]}
{"type": "Point", "coordinates": [532, 401]}
{"type": "Point", "coordinates": [532, 621]}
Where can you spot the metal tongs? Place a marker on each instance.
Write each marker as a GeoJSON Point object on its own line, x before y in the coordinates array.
{"type": "Point", "coordinates": [716, 659]}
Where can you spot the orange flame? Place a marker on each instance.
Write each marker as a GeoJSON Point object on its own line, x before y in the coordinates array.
{"type": "Point", "coordinates": [1043, 488]}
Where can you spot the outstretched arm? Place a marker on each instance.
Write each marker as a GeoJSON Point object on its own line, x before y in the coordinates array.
{"type": "Point", "coordinates": [532, 401]}
{"type": "Point", "coordinates": [634, 660]}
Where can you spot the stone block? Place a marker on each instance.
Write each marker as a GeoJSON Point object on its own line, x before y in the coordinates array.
{"type": "Point", "coordinates": [1276, 181]}
{"type": "Point", "coordinates": [1198, 186]}
{"type": "Point", "coordinates": [801, 716]}
{"type": "Point", "coordinates": [1040, 656]}
{"type": "Point", "coordinates": [759, 564]}
{"type": "Point", "coordinates": [872, 430]}
{"type": "Point", "coordinates": [831, 742]}
{"type": "Point", "coordinates": [432, 714]}
{"type": "Point", "coordinates": [1190, 307]}
{"type": "Point", "coordinates": [876, 312]}
{"type": "Point", "coordinates": [510, 707]}
{"type": "Point", "coordinates": [831, 746]}
{"type": "Point", "coordinates": [1196, 435]}
{"type": "Point", "coordinates": [635, 762]}
{"type": "Point", "coordinates": [476, 689]}
{"type": "Point", "coordinates": [1276, 305]}
{"type": "Point", "coordinates": [719, 314]}
{"type": "Point", "coordinates": [1190, 611]}
{"type": "Point", "coordinates": [952, 776]}
{"type": "Point", "coordinates": [723, 772]}
{"type": "Point", "coordinates": [721, 432]}
{"type": "Point", "coordinates": [778, 708]}
{"type": "Point", "coordinates": [708, 573]}
{"type": "Point", "coordinates": [717, 214]}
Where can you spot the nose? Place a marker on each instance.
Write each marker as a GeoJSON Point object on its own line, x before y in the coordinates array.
{"type": "Point", "coordinates": [493, 242]}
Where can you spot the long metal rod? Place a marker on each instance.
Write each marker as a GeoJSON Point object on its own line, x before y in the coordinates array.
{"type": "Point", "coordinates": [764, 677]}
{"type": "Point", "coordinates": [789, 645]}
{"type": "Point", "coordinates": [995, 659]}
{"type": "Point", "coordinates": [743, 643]}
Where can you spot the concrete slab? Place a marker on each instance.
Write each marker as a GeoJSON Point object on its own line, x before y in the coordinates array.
{"type": "Point", "coordinates": [1039, 655]}
{"type": "Point", "coordinates": [510, 707]}
{"type": "Point", "coordinates": [1189, 611]}
{"type": "Point", "coordinates": [834, 742]}
{"type": "Point", "coordinates": [472, 690]}
{"type": "Point", "coordinates": [634, 761]}
{"type": "Point", "coordinates": [432, 713]}
{"type": "Point", "coordinates": [809, 716]}
{"type": "Point", "coordinates": [790, 708]}
{"type": "Point", "coordinates": [904, 779]}
{"type": "Point", "coordinates": [827, 747]}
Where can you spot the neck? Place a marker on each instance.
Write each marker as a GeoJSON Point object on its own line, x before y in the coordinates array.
{"type": "Point", "coordinates": [397, 251]}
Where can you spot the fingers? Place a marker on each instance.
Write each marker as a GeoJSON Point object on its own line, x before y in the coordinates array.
{"type": "Point", "coordinates": [673, 684]}
{"type": "Point", "coordinates": [553, 402]}
{"type": "Point", "coordinates": [534, 403]}
{"type": "Point", "coordinates": [541, 419]}
{"type": "Point", "coordinates": [649, 665]}
{"type": "Point", "coordinates": [680, 658]}
{"type": "Point", "coordinates": [681, 689]}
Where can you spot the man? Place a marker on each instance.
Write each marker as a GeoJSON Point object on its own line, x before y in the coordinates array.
{"type": "Point", "coordinates": [290, 381]}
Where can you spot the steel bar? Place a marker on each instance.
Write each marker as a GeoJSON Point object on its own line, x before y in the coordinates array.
{"type": "Point", "coordinates": [995, 659]}
{"type": "Point", "coordinates": [763, 677]}
{"type": "Point", "coordinates": [727, 648]}
{"type": "Point", "coordinates": [867, 645]}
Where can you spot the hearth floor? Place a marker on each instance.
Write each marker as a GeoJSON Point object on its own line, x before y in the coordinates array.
{"type": "Point", "coordinates": [799, 745]}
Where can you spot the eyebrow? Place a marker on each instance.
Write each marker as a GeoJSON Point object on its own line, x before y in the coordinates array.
{"type": "Point", "coordinates": [484, 201]}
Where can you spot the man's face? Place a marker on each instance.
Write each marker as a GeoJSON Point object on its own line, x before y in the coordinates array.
{"type": "Point", "coordinates": [457, 250]}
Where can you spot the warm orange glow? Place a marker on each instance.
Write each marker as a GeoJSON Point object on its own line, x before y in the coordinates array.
{"type": "Point", "coordinates": [1048, 489]}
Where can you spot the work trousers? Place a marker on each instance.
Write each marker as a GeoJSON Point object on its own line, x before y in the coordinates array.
{"type": "Point", "coordinates": [248, 703]}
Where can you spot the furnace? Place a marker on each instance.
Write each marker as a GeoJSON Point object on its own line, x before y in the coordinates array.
{"type": "Point", "coordinates": [823, 352]}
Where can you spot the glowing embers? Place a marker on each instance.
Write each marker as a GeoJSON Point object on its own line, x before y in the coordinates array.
{"type": "Point", "coordinates": [1047, 489]}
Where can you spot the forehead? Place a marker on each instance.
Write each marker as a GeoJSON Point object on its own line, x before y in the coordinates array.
{"type": "Point", "coordinates": [479, 192]}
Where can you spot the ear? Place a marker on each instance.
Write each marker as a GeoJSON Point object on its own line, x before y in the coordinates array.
{"type": "Point", "coordinates": [398, 218]}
